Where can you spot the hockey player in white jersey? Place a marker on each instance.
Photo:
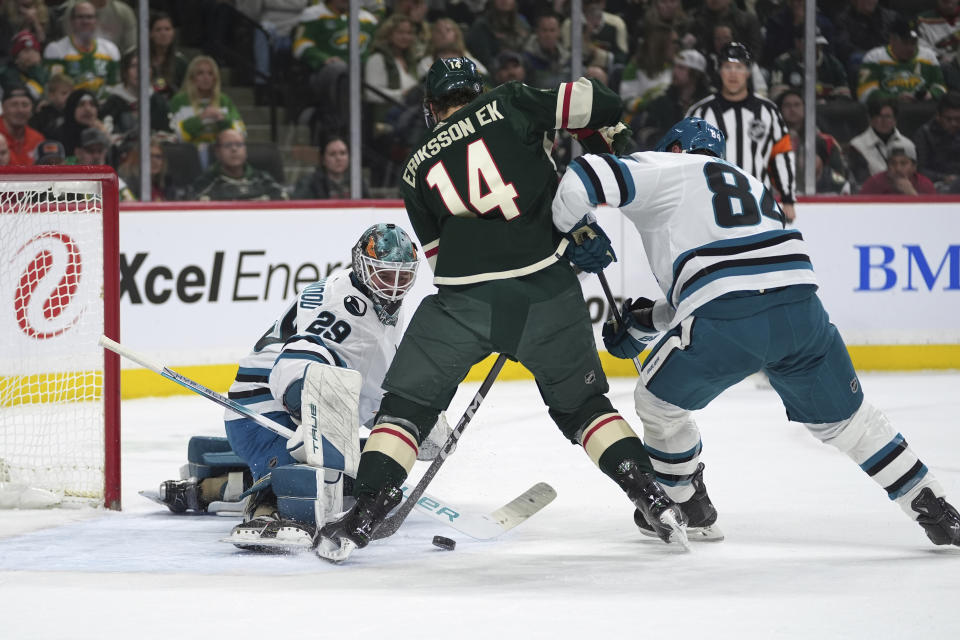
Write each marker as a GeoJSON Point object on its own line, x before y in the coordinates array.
{"type": "Point", "coordinates": [739, 297]}
{"type": "Point", "coordinates": [345, 325]}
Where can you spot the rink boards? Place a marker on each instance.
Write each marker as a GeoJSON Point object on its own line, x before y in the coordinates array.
{"type": "Point", "coordinates": [200, 284]}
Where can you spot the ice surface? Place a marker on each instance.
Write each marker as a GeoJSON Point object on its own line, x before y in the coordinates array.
{"type": "Point", "coordinates": [814, 549]}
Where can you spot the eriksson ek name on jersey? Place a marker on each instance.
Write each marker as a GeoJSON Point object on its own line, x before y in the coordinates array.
{"type": "Point", "coordinates": [485, 115]}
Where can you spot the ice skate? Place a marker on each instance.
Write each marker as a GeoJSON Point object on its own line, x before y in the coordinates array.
{"type": "Point", "coordinates": [181, 495]}
{"type": "Point", "coordinates": [655, 505]}
{"type": "Point", "coordinates": [939, 518]}
{"type": "Point", "coordinates": [338, 539]}
{"type": "Point", "coordinates": [271, 533]}
{"type": "Point", "coordinates": [700, 512]}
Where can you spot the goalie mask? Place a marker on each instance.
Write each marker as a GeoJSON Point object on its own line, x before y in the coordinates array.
{"type": "Point", "coordinates": [694, 134]}
{"type": "Point", "coordinates": [385, 262]}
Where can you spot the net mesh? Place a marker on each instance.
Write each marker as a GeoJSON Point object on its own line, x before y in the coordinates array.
{"type": "Point", "coordinates": [51, 316]}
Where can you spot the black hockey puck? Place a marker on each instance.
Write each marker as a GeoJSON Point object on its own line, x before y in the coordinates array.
{"type": "Point", "coordinates": [444, 543]}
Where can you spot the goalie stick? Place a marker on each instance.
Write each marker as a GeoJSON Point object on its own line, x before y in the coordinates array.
{"type": "Point", "coordinates": [196, 387]}
{"type": "Point", "coordinates": [481, 527]}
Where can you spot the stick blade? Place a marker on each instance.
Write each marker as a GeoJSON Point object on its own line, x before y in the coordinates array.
{"type": "Point", "coordinates": [523, 506]}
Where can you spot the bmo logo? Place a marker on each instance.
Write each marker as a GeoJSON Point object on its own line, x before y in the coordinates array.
{"type": "Point", "coordinates": [908, 268]}
{"type": "Point", "coordinates": [48, 270]}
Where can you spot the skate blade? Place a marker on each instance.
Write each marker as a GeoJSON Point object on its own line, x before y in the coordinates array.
{"type": "Point", "coordinates": [694, 534]}
{"type": "Point", "coordinates": [269, 545]}
{"type": "Point", "coordinates": [332, 552]}
{"type": "Point", "coordinates": [705, 534]}
{"type": "Point", "coordinates": [286, 539]}
{"type": "Point", "coordinates": [678, 533]}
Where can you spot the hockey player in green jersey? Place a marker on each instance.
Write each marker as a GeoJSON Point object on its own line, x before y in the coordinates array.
{"type": "Point", "coordinates": [478, 190]}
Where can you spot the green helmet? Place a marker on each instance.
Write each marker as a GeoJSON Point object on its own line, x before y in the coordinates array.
{"type": "Point", "coordinates": [449, 74]}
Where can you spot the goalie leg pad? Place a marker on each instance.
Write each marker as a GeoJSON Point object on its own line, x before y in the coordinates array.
{"type": "Point", "coordinates": [869, 439]}
{"type": "Point", "coordinates": [672, 440]}
{"type": "Point", "coordinates": [307, 494]}
{"type": "Point", "coordinates": [330, 409]}
{"type": "Point", "coordinates": [211, 456]}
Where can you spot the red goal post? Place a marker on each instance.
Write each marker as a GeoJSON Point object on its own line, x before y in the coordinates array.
{"type": "Point", "coordinates": [59, 291]}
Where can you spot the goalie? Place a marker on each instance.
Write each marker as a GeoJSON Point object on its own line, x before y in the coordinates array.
{"type": "Point", "coordinates": [319, 370]}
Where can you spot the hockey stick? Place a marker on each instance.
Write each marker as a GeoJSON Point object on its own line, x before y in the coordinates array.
{"type": "Point", "coordinates": [672, 523]}
{"type": "Point", "coordinates": [481, 527]}
{"type": "Point", "coordinates": [486, 526]}
{"type": "Point", "coordinates": [196, 387]}
{"type": "Point", "coordinates": [390, 525]}
{"type": "Point", "coordinates": [616, 310]}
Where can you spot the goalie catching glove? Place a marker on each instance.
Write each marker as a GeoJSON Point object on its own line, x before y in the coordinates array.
{"type": "Point", "coordinates": [627, 339]}
{"type": "Point", "coordinates": [615, 139]}
{"type": "Point", "coordinates": [589, 249]}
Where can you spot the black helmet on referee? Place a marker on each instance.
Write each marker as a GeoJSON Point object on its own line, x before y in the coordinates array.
{"type": "Point", "coordinates": [735, 52]}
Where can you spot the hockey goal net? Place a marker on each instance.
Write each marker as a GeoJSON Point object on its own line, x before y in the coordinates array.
{"type": "Point", "coordinates": [59, 291]}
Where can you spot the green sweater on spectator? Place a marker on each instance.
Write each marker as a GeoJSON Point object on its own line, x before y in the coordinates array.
{"type": "Point", "coordinates": [321, 35]}
{"type": "Point", "coordinates": [34, 79]}
{"type": "Point", "coordinates": [885, 76]}
{"type": "Point", "coordinates": [190, 127]}
{"type": "Point", "coordinates": [96, 68]}
{"type": "Point", "coordinates": [253, 185]}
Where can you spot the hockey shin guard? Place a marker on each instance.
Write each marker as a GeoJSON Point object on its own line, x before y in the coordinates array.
{"type": "Point", "coordinates": [882, 453]}
{"type": "Point", "coordinates": [672, 440]}
{"type": "Point", "coordinates": [388, 455]}
{"type": "Point", "coordinates": [609, 441]}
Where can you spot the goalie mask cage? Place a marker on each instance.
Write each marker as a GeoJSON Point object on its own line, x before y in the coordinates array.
{"type": "Point", "coordinates": [59, 291]}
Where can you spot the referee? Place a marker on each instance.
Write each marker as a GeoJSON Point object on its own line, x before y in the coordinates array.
{"type": "Point", "coordinates": [757, 139]}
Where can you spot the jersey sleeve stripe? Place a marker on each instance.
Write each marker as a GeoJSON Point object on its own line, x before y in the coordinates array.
{"type": "Point", "coordinates": [249, 393]}
{"type": "Point", "coordinates": [296, 354]}
{"type": "Point", "coordinates": [576, 106]}
{"type": "Point", "coordinates": [253, 371]}
{"type": "Point", "coordinates": [247, 377]}
{"type": "Point", "coordinates": [563, 105]}
{"type": "Point", "coordinates": [621, 174]}
{"type": "Point", "coordinates": [591, 181]}
{"type": "Point", "coordinates": [311, 341]}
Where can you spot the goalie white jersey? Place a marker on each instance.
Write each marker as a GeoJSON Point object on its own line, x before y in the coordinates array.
{"type": "Point", "coordinates": [708, 228]}
{"type": "Point", "coordinates": [330, 322]}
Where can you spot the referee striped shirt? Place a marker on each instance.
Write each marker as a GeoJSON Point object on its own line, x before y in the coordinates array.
{"type": "Point", "coordinates": [757, 139]}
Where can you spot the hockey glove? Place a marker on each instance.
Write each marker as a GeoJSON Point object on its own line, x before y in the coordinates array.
{"type": "Point", "coordinates": [589, 249]}
{"type": "Point", "coordinates": [628, 339]}
{"type": "Point", "coordinates": [291, 398]}
{"type": "Point", "coordinates": [615, 139]}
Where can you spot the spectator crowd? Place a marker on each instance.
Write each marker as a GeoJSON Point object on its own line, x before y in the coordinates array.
{"type": "Point", "coordinates": [887, 84]}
